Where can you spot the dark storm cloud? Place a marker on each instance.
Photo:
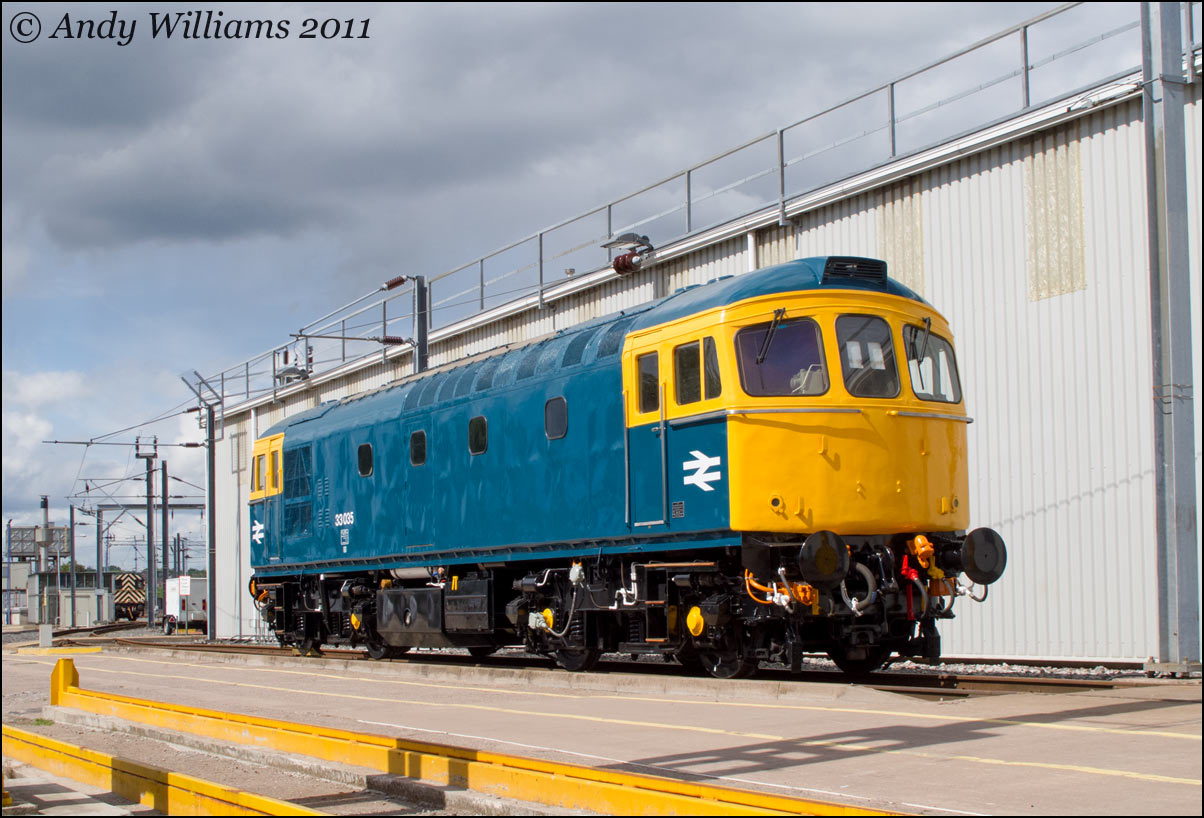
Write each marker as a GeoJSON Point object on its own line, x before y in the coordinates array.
{"type": "Point", "coordinates": [95, 89]}
{"type": "Point", "coordinates": [170, 141]}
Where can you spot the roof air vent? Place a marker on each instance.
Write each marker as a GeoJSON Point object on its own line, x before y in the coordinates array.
{"type": "Point", "coordinates": [839, 269]}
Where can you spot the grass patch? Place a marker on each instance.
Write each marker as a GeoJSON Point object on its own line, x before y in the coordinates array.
{"type": "Point", "coordinates": [43, 722]}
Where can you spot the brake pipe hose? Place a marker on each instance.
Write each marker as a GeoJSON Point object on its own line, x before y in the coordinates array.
{"type": "Point", "coordinates": [750, 583]}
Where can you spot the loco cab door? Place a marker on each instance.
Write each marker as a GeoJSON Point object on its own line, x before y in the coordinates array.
{"type": "Point", "coordinates": [677, 434]}
{"type": "Point", "coordinates": [266, 500]}
{"type": "Point", "coordinates": [646, 444]}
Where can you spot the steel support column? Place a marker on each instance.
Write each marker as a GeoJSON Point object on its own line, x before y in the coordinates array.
{"type": "Point", "coordinates": [164, 534]}
{"type": "Point", "coordinates": [100, 565]}
{"type": "Point", "coordinates": [151, 596]}
{"type": "Point", "coordinates": [71, 547]}
{"type": "Point", "coordinates": [422, 322]}
{"type": "Point", "coordinates": [211, 531]}
{"type": "Point", "coordinates": [1170, 304]}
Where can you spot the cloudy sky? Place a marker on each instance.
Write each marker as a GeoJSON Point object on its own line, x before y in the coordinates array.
{"type": "Point", "coordinates": [173, 204]}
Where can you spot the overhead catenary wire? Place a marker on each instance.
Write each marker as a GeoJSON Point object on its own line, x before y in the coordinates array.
{"type": "Point", "coordinates": [186, 445]}
{"type": "Point", "coordinates": [170, 413]}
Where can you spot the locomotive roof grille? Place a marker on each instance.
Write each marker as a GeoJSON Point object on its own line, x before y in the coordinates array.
{"type": "Point", "coordinates": [527, 368]}
{"type": "Point", "coordinates": [487, 370]}
{"type": "Point", "coordinates": [612, 341]}
{"type": "Point", "coordinates": [868, 270]}
{"type": "Point", "coordinates": [576, 347]}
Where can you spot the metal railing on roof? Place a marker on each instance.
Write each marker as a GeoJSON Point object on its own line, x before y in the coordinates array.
{"type": "Point", "coordinates": [1052, 56]}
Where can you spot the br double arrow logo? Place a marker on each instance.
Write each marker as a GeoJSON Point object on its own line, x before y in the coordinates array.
{"type": "Point", "coordinates": [702, 475]}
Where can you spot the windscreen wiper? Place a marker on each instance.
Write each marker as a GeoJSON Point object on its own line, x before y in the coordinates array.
{"type": "Point", "coordinates": [778, 315]}
{"type": "Point", "coordinates": [923, 351]}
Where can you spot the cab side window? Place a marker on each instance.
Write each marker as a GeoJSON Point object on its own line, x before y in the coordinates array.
{"type": "Point", "coordinates": [712, 385]}
{"type": "Point", "coordinates": [687, 366]}
{"type": "Point", "coordinates": [696, 371]}
{"type": "Point", "coordinates": [648, 371]}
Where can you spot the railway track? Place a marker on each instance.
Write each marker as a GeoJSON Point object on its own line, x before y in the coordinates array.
{"type": "Point", "coordinates": [99, 630]}
{"type": "Point", "coordinates": [935, 684]}
{"type": "Point", "coordinates": [63, 636]}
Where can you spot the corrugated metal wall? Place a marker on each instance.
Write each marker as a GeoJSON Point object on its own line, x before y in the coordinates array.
{"type": "Point", "coordinates": [1054, 330]}
{"type": "Point", "coordinates": [1035, 251]}
{"type": "Point", "coordinates": [1193, 127]}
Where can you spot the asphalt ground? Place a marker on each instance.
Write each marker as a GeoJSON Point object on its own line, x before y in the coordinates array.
{"type": "Point", "coordinates": [1133, 750]}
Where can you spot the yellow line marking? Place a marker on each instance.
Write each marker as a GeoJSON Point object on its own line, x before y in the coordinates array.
{"type": "Point", "coordinates": [947, 718]}
{"type": "Point", "coordinates": [829, 744]}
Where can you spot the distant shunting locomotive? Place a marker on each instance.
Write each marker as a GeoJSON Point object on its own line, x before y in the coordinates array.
{"type": "Point", "coordinates": [750, 470]}
{"type": "Point", "coordinates": [129, 596]}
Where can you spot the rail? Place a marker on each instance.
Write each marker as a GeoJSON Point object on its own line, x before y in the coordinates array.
{"type": "Point", "coordinates": [1050, 57]}
{"type": "Point", "coordinates": [936, 683]}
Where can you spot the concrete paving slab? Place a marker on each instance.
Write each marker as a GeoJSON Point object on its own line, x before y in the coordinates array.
{"type": "Point", "coordinates": [1136, 751]}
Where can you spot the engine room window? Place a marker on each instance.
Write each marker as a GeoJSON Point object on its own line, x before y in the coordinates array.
{"type": "Point", "coordinates": [556, 418]}
{"type": "Point", "coordinates": [478, 435]}
{"type": "Point", "coordinates": [417, 448]}
{"type": "Point", "coordinates": [787, 361]}
{"type": "Point", "coordinates": [867, 356]}
{"type": "Point", "coordinates": [649, 374]}
{"type": "Point", "coordinates": [932, 366]}
{"type": "Point", "coordinates": [687, 366]}
{"type": "Point", "coordinates": [365, 459]}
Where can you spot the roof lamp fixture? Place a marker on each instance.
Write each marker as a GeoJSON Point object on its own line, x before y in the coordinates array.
{"type": "Point", "coordinates": [631, 241]}
{"type": "Point", "coordinates": [638, 247]}
{"type": "Point", "coordinates": [291, 373]}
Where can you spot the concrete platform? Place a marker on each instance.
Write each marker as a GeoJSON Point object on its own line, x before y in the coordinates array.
{"type": "Point", "coordinates": [1131, 750]}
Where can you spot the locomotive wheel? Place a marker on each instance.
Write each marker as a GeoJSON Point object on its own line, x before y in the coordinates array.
{"type": "Point", "coordinates": [727, 664]}
{"type": "Point", "coordinates": [578, 660]}
{"type": "Point", "coordinates": [687, 656]}
{"type": "Point", "coordinates": [875, 657]}
{"type": "Point", "coordinates": [377, 649]}
{"type": "Point", "coordinates": [310, 647]}
{"type": "Point", "coordinates": [481, 651]}
{"type": "Point", "coordinates": [386, 651]}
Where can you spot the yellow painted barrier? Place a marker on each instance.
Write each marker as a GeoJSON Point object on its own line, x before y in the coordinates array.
{"type": "Point", "coordinates": [568, 786]}
{"type": "Point", "coordinates": [168, 792]}
{"type": "Point", "coordinates": [55, 651]}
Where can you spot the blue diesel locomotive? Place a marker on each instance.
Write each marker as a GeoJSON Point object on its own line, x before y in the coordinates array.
{"type": "Point", "coordinates": [749, 470]}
